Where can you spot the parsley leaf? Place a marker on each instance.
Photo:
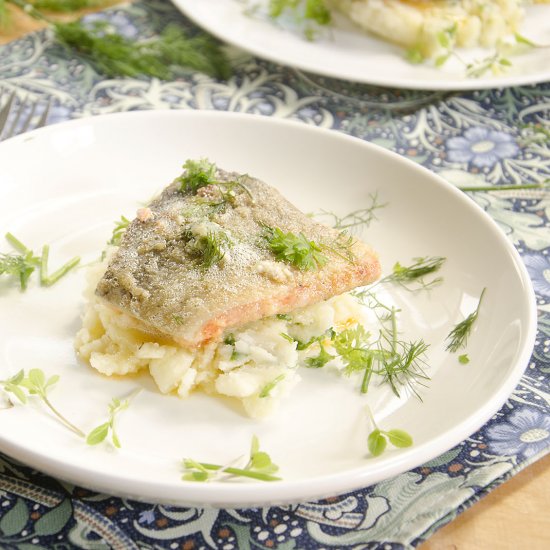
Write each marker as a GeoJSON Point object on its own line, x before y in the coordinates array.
{"type": "Point", "coordinates": [296, 250]}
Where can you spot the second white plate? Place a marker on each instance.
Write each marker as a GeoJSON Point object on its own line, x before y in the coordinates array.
{"type": "Point", "coordinates": [349, 54]}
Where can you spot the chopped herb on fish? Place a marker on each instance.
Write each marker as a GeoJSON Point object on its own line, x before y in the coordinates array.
{"type": "Point", "coordinates": [296, 250]}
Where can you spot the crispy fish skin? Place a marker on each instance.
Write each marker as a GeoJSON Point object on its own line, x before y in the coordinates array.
{"type": "Point", "coordinates": [155, 276]}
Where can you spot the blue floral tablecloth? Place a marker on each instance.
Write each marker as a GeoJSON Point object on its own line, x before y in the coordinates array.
{"type": "Point", "coordinates": [477, 138]}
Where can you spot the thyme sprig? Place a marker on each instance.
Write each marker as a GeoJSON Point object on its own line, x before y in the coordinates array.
{"type": "Point", "coordinates": [36, 384]}
{"type": "Point", "coordinates": [259, 467]}
{"type": "Point", "coordinates": [100, 433]}
{"type": "Point", "coordinates": [458, 337]}
{"type": "Point", "coordinates": [377, 440]}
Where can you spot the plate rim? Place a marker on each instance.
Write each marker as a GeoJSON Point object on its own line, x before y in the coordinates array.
{"type": "Point", "coordinates": [222, 495]}
{"type": "Point", "coordinates": [445, 85]}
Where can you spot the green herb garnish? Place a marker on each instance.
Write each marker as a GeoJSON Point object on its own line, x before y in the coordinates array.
{"type": "Point", "coordinates": [415, 273]}
{"type": "Point", "coordinates": [210, 249]}
{"type": "Point", "coordinates": [459, 334]}
{"type": "Point", "coordinates": [36, 384]}
{"type": "Point", "coordinates": [356, 219]}
{"type": "Point", "coordinates": [120, 228]}
{"type": "Point", "coordinates": [198, 173]}
{"type": "Point", "coordinates": [463, 359]}
{"type": "Point", "coordinates": [306, 13]}
{"type": "Point", "coordinates": [22, 265]}
{"type": "Point", "coordinates": [99, 434]}
{"type": "Point", "coordinates": [296, 250]}
{"type": "Point", "coordinates": [259, 467]}
{"type": "Point", "coordinates": [266, 390]}
{"type": "Point", "coordinates": [378, 439]}
{"type": "Point", "coordinates": [115, 55]}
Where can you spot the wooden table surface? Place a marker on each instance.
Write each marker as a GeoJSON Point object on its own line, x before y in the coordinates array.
{"type": "Point", "coordinates": [514, 516]}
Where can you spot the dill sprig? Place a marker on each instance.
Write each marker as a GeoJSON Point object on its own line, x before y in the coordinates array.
{"type": "Point", "coordinates": [36, 384]}
{"type": "Point", "coordinates": [378, 439]}
{"type": "Point", "coordinates": [415, 273]}
{"type": "Point", "coordinates": [212, 248]}
{"type": "Point", "coordinates": [398, 362]}
{"type": "Point", "coordinates": [458, 337]}
{"type": "Point", "coordinates": [115, 55]}
{"type": "Point", "coordinates": [259, 467]}
{"type": "Point", "coordinates": [361, 218]}
{"type": "Point", "coordinates": [293, 249]}
{"type": "Point", "coordinates": [65, 6]}
{"type": "Point", "coordinates": [99, 434]}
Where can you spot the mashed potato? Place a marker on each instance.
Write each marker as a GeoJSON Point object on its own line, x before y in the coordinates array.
{"type": "Point", "coordinates": [256, 364]}
{"type": "Point", "coordinates": [419, 24]}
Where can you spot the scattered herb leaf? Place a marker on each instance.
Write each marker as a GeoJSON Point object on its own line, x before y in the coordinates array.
{"type": "Point", "coordinates": [463, 359]}
{"type": "Point", "coordinates": [259, 467]}
{"type": "Point", "coordinates": [119, 230]}
{"type": "Point", "coordinates": [458, 337]}
{"type": "Point", "coordinates": [415, 273]}
{"type": "Point", "coordinates": [100, 433]}
{"type": "Point", "coordinates": [36, 384]}
{"type": "Point", "coordinates": [378, 439]}
{"type": "Point", "coordinates": [266, 390]}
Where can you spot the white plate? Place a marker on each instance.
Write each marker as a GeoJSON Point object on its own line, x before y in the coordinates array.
{"type": "Point", "coordinates": [349, 54]}
{"type": "Point", "coordinates": [66, 184]}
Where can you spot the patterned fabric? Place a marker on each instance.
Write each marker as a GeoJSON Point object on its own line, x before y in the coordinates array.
{"type": "Point", "coordinates": [476, 138]}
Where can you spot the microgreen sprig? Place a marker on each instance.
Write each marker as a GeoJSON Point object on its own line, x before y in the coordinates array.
{"type": "Point", "coordinates": [36, 384]}
{"type": "Point", "coordinates": [458, 337]}
{"type": "Point", "coordinates": [378, 439]}
{"type": "Point", "coordinates": [23, 264]}
{"type": "Point", "coordinates": [259, 467]}
{"type": "Point", "coordinates": [307, 13]}
{"type": "Point", "coordinates": [120, 228]}
{"type": "Point", "coordinates": [100, 433]}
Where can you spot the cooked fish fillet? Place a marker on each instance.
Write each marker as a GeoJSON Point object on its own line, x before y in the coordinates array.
{"type": "Point", "coordinates": [165, 279]}
{"type": "Point", "coordinates": [419, 23]}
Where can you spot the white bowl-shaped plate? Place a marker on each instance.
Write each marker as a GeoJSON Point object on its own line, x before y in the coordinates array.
{"type": "Point", "coordinates": [66, 185]}
{"type": "Point", "coordinates": [348, 53]}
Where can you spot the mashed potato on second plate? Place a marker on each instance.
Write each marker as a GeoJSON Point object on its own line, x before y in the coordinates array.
{"type": "Point", "coordinates": [419, 24]}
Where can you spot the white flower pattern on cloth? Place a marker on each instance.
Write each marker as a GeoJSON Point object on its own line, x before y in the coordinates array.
{"type": "Point", "coordinates": [481, 147]}
{"type": "Point", "coordinates": [527, 432]}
